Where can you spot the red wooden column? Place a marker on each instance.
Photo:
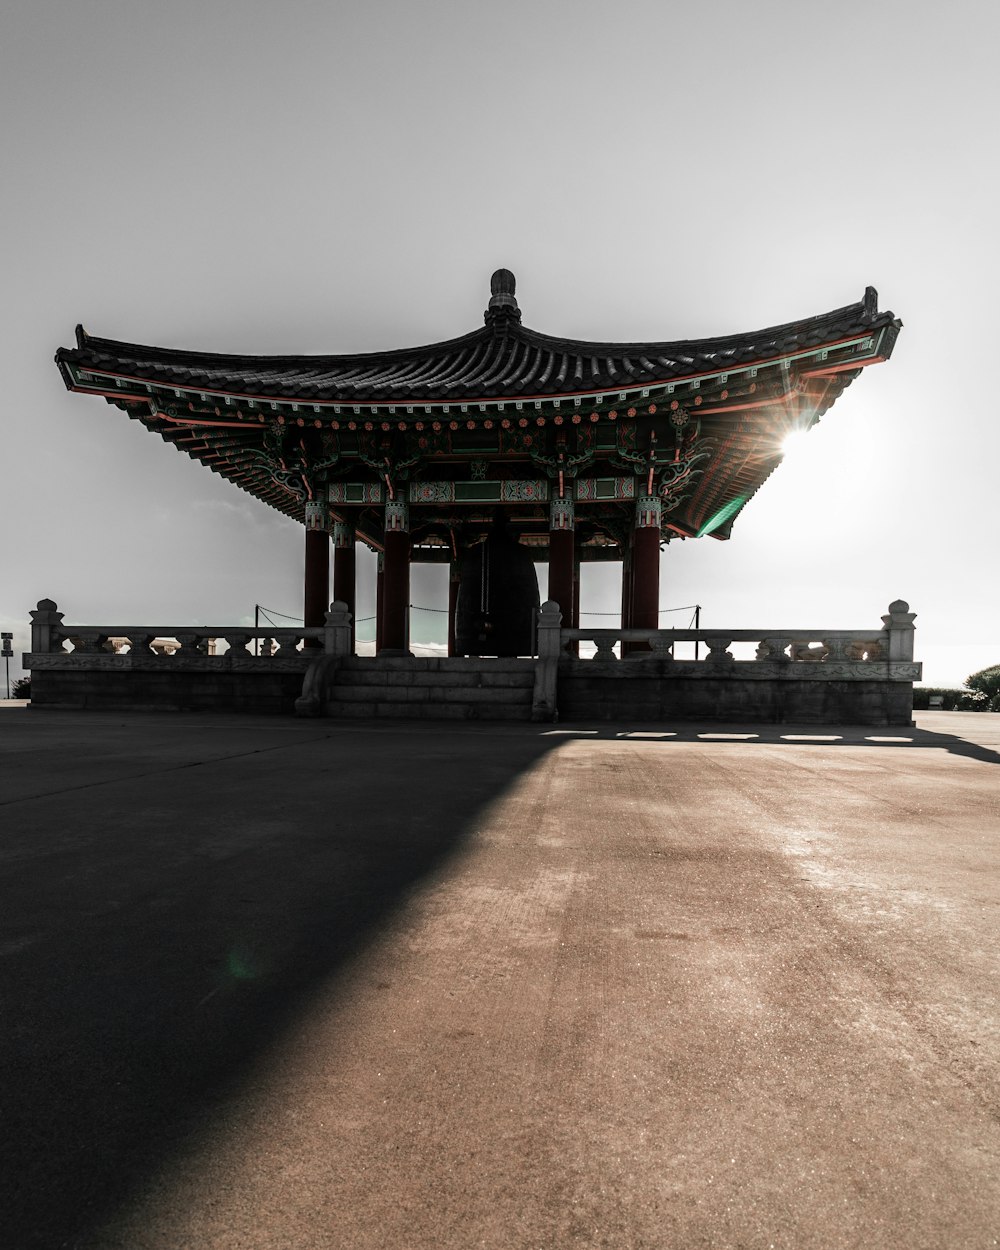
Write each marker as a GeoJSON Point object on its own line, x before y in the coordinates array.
{"type": "Point", "coordinates": [316, 597]}
{"type": "Point", "coordinates": [574, 647]}
{"type": "Point", "coordinates": [396, 584]}
{"type": "Point", "coordinates": [379, 600]}
{"type": "Point", "coordinates": [562, 558]}
{"type": "Point", "coordinates": [453, 584]}
{"type": "Point", "coordinates": [344, 569]}
{"type": "Point", "coordinates": [646, 563]}
{"type": "Point", "coordinates": [627, 586]}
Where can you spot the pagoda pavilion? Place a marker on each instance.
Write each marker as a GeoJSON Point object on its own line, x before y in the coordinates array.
{"type": "Point", "coordinates": [495, 450]}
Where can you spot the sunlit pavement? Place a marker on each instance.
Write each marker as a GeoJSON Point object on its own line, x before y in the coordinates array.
{"type": "Point", "coordinates": [290, 984]}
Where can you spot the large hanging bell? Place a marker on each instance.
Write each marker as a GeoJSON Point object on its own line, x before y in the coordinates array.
{"type": "Point", "coordinates": [497, 597]}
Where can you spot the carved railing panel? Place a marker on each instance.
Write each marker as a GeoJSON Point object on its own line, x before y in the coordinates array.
{"type": "Point", "coordinates": [55, 644]}
{"type": "Point", "coordinates": [775, 649]}
{"type": "Point", "coordinates": [841, 654]}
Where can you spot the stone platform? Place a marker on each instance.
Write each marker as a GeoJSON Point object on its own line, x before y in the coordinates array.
{"type": "Point", "coordinates": [273, 984]}
{"type": "Point", "coordinates": [815, 675]}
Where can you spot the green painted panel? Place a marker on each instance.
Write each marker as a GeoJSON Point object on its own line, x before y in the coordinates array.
{"type": "Point", "coordinates": [477, 492]}
{"type": "Point", "coordinates": [722, 516]}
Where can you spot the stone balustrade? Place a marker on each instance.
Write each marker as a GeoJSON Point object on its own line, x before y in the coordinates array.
{"type": "Point", "coordinates": [58, 645]}
{"type": "Point", "coordinates": [851, 676]}
{"type": "Point", "coordinates": [817, 646]}
{"type": "Point", "coordinates": [783, 658]}
{"type": "Point", "coordinates": [180, 667]}
{"type": "Point", "coordinates": [893, 642]}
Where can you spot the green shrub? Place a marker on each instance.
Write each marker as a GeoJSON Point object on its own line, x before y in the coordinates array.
{"type": "Point", "coordinates": [986, 681]}
{"type": "Point", "coordinates": [974, 701]}
{"type": "Point", "coordinates": [982, 694]}
{"type": "Point", "coordinates": [950, 699]}
{"type": "Point", "coordinates": [21, 688]}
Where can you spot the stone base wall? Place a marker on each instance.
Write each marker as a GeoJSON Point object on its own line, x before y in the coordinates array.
{"type": "Point", "coordinates": [169, 691]}
{"type": "Point", "coordinates": [652, 690]}
{"type": "Point", "coordinates": [588, 690]}
{"type": "Point", "coordinates": [813, 675]}
{"type": "Point", "coordinates": [471, 688]}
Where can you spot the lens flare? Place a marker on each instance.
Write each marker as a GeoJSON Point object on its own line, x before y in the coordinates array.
{"type": "Point", "coordinates": [242, 966]}
{"type": "Point", "coordinates": [793, 444]}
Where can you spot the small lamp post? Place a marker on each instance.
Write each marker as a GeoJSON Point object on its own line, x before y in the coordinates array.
{"type": "Point", "coordinates": [6, 651]}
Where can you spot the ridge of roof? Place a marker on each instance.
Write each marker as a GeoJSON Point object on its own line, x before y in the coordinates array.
{"type": "Point", "coordinates": [864, 310]}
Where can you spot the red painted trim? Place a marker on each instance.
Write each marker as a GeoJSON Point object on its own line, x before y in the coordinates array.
{"type": "Point", "coordinates": [854, 364]}
{"type": "Point", "coordinates": [193, 421]}
{"type": "Point", "coordinates": [82, 390]}
{"type": "Point", "coordinates": [764, 403]}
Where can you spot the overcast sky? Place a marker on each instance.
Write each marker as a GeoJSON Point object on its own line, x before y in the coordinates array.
{"type": "Point", "coordinates": [324, 177]}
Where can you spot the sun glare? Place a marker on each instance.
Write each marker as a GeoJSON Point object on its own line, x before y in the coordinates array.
{"type": "Point", "coordinates": [793, 444]}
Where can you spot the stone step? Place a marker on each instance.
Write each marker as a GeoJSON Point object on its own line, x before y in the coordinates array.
{"type": "Point", "coordinates": [427, 711]}
{"type": "Point", "coordinates": [435, 664]}
{"type": "Point", "coordinates": [470, 678]}
{"type": "Point", "coordinates": [343, 693]}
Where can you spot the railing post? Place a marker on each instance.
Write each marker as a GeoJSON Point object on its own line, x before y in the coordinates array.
{"type": "Point", "coordinates": [337, 630]}
{"type": "Point", "coordinates": [605, 640]}
{"type": "Point", "coordinates": [543, 701]}
{"type": "Point", "coordinates": [899, 623]}
{"type": "Point", "coordinates": [44, 620]}
{"type": "Point", "coordinates": [717, 649]}
{"type": "Point", "coordinates": [774, 649]}
{"type": "Point", "coordinates": [193, 642]}
{"type": "Point", "coordinates": [337, 643]}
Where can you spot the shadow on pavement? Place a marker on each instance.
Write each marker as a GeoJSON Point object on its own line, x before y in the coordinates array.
{"type": "Point", "coordinates": [787, 735]}
{"type": "Point", "coordinates": [157, 933]}
{"type": "Point", "coordinates": [163, 924]}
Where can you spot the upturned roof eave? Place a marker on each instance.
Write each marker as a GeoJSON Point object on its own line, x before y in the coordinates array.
{"type": "Point", "coordinates": [92, 345]}
{"type": "Point", "coordinates": [453, 397]}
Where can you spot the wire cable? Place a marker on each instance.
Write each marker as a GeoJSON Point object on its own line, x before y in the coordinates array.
{"type": "Point", "coordinates": [271, 612]}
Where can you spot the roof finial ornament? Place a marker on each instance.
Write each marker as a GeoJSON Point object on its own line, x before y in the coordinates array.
{"type": "Point", "coordinates": [503, 305]}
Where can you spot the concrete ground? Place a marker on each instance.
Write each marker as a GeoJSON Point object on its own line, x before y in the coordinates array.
{"type": "Point", "coordinates": [277, 984]}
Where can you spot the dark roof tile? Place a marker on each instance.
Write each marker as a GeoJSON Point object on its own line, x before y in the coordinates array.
{"type": "Point", "coordinates": [501, 359]}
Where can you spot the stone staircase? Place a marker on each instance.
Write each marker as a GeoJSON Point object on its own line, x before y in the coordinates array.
{"type": "Point", "coordinates": [431, 689]}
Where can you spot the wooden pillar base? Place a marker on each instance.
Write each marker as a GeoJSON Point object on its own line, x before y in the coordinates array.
{"type": "Point", "coordinates": [562, 561]}
{"type": "Point", "coordinates": [574, 647]}
{"type": "Point", "coordinates": [379, 600]}
{"type": "Point", "coordinates": [627, 590]}
{"type": "Point", "coordinates": [453, 584]}
{"type": "Point", "coordinates": [628, 648]}
{"type": "Point", "coordinates": [345, 571]}
{"type": "Point", "coordinates": [645, 578]}
{"type": "Point", "coordinates": [396, 594]}
{"type": "Point", "coordinates": [316, 597]}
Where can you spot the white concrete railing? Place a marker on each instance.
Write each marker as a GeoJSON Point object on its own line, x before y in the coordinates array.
{"type": "Point", "coordinates": [841, 654]}
{"type": "Point", "coordinates": [50, 635]}
{"type": "Point", "coordinates": [813, 646]}
{"type": "Point", "coordinates": [99, 646]}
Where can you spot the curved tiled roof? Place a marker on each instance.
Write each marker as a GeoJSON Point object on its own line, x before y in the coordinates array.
{"type": "Point", "coordinates": [503, 359]}
{"type": "Point", "coordinates": [277, 426]}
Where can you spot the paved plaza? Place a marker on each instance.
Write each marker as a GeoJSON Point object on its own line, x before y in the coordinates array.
{"type": "Point", "coordinates": [281, 985]}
